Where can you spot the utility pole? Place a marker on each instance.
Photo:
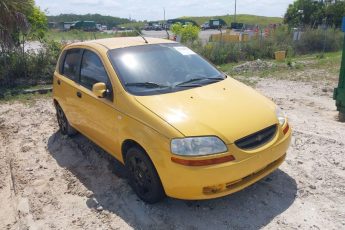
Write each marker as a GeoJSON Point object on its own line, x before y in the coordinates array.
{"type": "Point", "coordinates": [164, 13]}
{"type": "Point", "coordinates": [235, 10]}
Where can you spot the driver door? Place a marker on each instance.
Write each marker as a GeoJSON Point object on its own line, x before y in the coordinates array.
{"type": "Point", "coordinates": [97, 115]}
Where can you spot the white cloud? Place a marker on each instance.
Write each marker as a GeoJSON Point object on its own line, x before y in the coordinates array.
{"type": "Point", "coordinates": [153, 9]}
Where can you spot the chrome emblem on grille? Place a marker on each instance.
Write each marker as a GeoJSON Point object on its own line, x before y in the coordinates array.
{"type": "Point", "coordinates": [259, 138]}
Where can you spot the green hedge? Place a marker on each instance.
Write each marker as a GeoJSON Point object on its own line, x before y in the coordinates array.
{"type": "Point", "coordinates": [29, 68]}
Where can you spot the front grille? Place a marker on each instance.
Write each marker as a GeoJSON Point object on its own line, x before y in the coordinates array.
{"type": "Point", "coordinates": [257, 139]}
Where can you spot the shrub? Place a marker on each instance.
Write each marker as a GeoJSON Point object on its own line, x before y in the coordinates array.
{"type": "Point", "coordinates": [29, 68]}
{"type": "Point", "coordinates": [224, 52]}
{"type": "Point", "coordinates": [188, 33]}
{"type": "Point", "coordinates": [313, 41]}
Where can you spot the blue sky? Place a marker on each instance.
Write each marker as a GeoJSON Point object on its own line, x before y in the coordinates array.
{"type": "Point", "coordinates": [153, 9]}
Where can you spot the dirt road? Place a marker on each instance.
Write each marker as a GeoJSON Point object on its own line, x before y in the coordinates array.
{"type": "Point", "coordinates": [48, 181]}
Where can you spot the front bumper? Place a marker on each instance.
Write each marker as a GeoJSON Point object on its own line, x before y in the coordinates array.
{"type": "Point", "coordinates": [206, 182]}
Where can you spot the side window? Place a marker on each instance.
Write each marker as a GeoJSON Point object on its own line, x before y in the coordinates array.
{"type": "Point", "coordinates": [92, 70]}
{"type": "Point", "coordinates": [61, 62]}
{"type": "Point", "coordinates": [71, 64]}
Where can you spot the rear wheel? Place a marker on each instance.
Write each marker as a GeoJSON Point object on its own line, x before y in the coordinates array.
{"type": "Point", "coordinates": [143, 176]}
{"type": "Point", "coordinates": [65, 127]}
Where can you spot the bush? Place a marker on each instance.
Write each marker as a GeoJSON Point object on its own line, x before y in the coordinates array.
{"type": "Point", "coordinates": [29, 68]}
{"type": "Point", "coordinates": [188, 33]}
{"type": "Point", "coordinates": [221, 52]}
{"type": "Point", "coordinates": [313, 41]}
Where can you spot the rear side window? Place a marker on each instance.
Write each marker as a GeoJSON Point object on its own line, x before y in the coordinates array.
{"type": "Point", "coordinates": [61, 62]}
{"type": "Point", "coordinates": [92, 70]}
{"type": "Point", "coordinates": [71, 64]}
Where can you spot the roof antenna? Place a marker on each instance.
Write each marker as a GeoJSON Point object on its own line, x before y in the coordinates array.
{"type": "Point", "coordinates": [138, 32]}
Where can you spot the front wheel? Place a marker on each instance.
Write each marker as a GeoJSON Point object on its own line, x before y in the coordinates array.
{"type": "Point", "coordinates": [143, 177]}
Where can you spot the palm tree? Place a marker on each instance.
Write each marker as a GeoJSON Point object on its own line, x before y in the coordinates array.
{"type": "Point", "coordinates": [13, 21]}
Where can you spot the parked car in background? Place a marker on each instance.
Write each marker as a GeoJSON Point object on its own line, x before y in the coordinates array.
{"type": "Point", "coordinates": [205, 26]}
{"type": "Point", "coordinates": [181, 127]}
{"type": "Point", "coordinates": [157, 27]}
{"type": "Point", "coordinates": [121, 28]}
{"type": "Point", "coordinates": [65, 26]}
{"type": "Point", "coordinates": [213, 24]}
{"type": "Point", "coordinates": [84, 25]}
{"type": "Point", "coordinates": [179, 20]}
{"type": "Point", "coordinates": [236, 26]}
{"type": "Point", "coordinates": [153, 26]}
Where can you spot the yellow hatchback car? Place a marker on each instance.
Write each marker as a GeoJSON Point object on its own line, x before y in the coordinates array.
{"type": "Point", "coordinates": [181, 127]}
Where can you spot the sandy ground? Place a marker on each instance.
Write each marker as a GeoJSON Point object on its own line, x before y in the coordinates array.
{"type": "Point", "coordinates": [48, 181]}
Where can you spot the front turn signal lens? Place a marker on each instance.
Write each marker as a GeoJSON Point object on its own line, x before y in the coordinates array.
{"type": "Point", "coordinates": [213, 161]}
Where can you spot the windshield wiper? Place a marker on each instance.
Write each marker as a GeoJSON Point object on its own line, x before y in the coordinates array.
{"type": "Point", "coordinates": [187, 83]}
{"type": "Point", "coordinates": [146, 84]}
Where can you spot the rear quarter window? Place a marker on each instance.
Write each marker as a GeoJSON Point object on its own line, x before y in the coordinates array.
{"type": "Point", "coordinates": [61, 62]}
{"type": "Point", "coordinates": [71, 64]}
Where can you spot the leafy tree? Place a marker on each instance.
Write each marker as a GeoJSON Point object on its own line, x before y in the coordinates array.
{"type": "Point", "coordinates": [306, 12]}
{"type": "Point", "coordinates": [335, 13]}
{"type": "Point", "coordinates": [39, 24]}
{"type": "Point", "coordinates": [13, 21]}
{"type": "Point", "coordinates": [313, 13]}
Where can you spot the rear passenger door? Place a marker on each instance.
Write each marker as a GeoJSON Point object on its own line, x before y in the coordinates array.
{"type": "Point", "coordinates": [97, 114]}
{"type": "Point", "coordinates": [66, 84]}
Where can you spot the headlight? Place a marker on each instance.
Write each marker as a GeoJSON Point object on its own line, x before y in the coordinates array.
{"type": "Point", "coordinates": [197, 146]}
{"type": "Point", "coordinates": [281, 116]}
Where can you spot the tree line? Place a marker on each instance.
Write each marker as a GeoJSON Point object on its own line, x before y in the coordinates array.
{"type": "Point", "coordinates": [314, 13]}
{"type": "Point", "coordinates": [109, 21]}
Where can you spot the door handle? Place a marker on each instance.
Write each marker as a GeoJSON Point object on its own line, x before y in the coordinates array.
{"type": "Point", "coordinates": [79, 94]}
{"type": "Point", "coordinates": [58, 81]}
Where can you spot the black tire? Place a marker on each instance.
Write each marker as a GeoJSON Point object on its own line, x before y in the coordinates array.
{"type": "Point", "coordinates": [143, 177]}
{"type": "Point", "coordinates": [65, 127]}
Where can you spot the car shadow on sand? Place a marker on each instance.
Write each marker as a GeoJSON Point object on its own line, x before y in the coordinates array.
{"type": "Point", "coordinates": [104, 178]}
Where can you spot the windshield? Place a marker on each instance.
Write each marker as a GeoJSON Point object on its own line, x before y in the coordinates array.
{"type": "Point", "coordinates": [161, 68]}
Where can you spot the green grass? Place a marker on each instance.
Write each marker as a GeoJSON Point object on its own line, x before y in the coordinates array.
{"type": "Point", "coordinates": [242, 18]}
{"type": "Point", "coordinates": [28, 99]}
{"type": "Point", "coordinates": [83, 36]}
{"type": "Point", "coordinates": [330, 61]}
{"type": "Point", "coordinates": [16, 94]}
{"type": "Point", "coordinates": [132, 25]}
{"type": "Point", "coordinates": [307, 64]}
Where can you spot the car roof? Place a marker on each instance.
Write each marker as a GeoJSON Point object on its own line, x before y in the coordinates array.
{"type": "Point", "coordinates": [121, 42]}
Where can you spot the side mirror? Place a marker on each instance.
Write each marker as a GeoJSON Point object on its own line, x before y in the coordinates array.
{"type": "Point", "coordinates": [99, 89]}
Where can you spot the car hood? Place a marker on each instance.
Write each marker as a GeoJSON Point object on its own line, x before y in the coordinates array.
{"type": "Point", "coordinates": [227, 109]}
